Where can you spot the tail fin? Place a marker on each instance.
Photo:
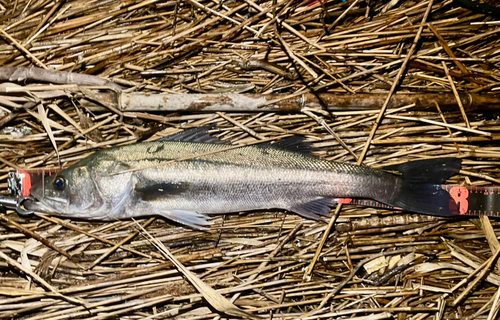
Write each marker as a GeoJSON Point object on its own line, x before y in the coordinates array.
{"type": "Point", "coordinates": [428, 171]}
{"type": "Point", "coordinates": [420, 189]}
{"type": "Point", "coordinates": [425, 198]}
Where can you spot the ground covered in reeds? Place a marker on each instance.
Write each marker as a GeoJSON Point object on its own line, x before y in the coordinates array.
{"type": "Point", "coordinates": [372, 82]}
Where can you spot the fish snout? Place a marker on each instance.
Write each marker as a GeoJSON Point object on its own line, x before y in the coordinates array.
{"type": "Point", "coordinates": [35, 205]}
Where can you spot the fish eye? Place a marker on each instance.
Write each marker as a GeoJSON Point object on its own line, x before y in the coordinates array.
{"type": "Point", "coordinates": [60, 183]}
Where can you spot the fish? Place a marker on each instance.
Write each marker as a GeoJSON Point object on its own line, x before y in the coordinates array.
{"type": "Point", "coordinates": [146, 179]}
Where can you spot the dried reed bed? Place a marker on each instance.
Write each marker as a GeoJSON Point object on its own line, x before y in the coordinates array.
{"type": "Point", "coordinates": [375, 264]}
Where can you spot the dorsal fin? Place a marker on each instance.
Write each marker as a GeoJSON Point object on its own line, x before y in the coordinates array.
{"type": "Point", "coordinates": [293, 144]}
{"type": "Point", "coordinates": [196, 135]}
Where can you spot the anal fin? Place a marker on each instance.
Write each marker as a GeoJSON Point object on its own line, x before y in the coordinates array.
{"type": "Point", "coordinates": [314, 209]}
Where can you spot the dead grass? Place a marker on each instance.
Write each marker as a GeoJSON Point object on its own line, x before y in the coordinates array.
{"type": "Point", "coordinates": [374, 264]}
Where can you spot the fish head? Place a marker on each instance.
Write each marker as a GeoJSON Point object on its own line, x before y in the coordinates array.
{"type": "Point", "coordinates": [71, 193]}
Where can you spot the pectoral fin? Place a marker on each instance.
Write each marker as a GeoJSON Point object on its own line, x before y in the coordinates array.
{"type": "Point", "coordinates": [157, 207]}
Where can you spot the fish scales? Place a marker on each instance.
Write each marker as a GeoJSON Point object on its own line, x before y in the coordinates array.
{"type": "Point", "coordinates": [248, 177]}
{"type": "Point", "coordinates": [141, 179]}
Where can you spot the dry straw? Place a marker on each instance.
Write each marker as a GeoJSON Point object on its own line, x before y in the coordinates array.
{"type": "Point", "coordinates": [377, 82]}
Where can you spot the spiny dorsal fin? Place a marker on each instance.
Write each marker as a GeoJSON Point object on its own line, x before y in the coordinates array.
{"type": "Point", "coordinates": [428, 171]}
{"type": "Point", "coordinates": [195, 135]}
{"type": "Point", "coordinates": [293, 144]}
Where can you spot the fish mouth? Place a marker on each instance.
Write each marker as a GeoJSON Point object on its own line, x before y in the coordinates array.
{"type": "Point", "coordinates": [61, 207]}
{"type": "Point", "coordinates": [39, 206]}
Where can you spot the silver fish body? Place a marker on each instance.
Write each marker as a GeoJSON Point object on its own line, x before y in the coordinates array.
{"type": "Point", "coordinates": [142, 180]}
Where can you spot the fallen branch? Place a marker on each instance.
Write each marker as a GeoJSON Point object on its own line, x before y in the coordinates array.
{"type": "Point", "coordinates": [232, 102]}
{"type": "Point", "coordinates": [119, 101]}
{"type": "Point", "coordinates": [21, 74]}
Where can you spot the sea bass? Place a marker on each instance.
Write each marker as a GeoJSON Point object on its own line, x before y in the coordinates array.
{"type": "Point", "coordinates": [142, 180]}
